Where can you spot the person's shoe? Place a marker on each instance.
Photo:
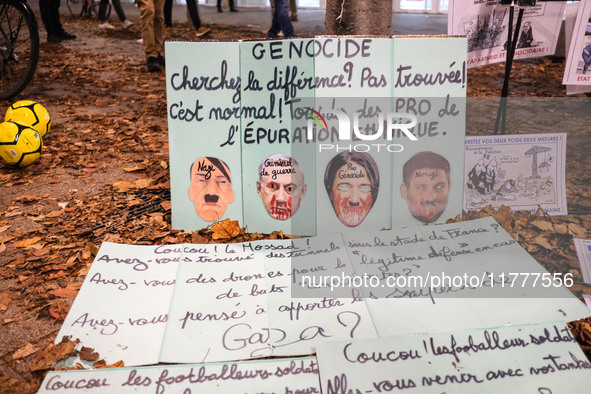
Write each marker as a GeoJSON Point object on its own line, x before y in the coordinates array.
{"type": "Point", "coordinates": [161, 60]}
{"type": "Point", "coordinates": [152, 64]}
{"type": "Point", "coordinates": [233, 9]}
{"type": "Point", "coordinates": [106, 25]}
{"type": "Point", "coordinates": [293, 17]}
{"type": "Point", "coordinates": [127, 24]}
{"type": "Point", "coordinates": [53, 38]}
{"type": "Point", "coordinates": [64, 35]}
{"type": "Point", "coordinates": [220, 9]}
{"type": "Point", "coordinates": [202, 31]}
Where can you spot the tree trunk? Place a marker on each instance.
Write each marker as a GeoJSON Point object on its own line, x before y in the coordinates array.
{"type": "Point", "coordinates": [358, 17]}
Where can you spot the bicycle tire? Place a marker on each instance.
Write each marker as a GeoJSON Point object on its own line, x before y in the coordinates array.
{"type": "Point", "coordinates": [74, 6]}
{"type": "Point", "coordinates": [19, 48]}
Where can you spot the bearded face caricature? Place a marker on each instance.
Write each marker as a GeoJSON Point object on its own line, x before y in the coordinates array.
{"type": "Point", "coordinates": [281, 186]}
{"type": "Point", "coordinates": [352, 182]}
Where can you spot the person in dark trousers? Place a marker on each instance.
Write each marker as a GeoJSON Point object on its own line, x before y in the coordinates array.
{"type": "Point", "coordinates": [230, 3]}
{"type": "Point", "coordinates": [50, 15]}
{"type": "Point", "coordinates": [102, 14]}
{"type": "Point", "coordinates": [280, 21]}
{"type": "Point", "coordinates": [193, 9]}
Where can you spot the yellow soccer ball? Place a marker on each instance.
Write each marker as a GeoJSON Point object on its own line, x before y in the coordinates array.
{"type": "Point", "coordinates": [20, 145]}
{"type": "Point", "coordinates": [29, 113]}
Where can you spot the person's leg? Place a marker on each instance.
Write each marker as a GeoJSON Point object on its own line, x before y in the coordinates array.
{"type": "Point", "coordinates": [281, 9]}
{"type": "Point", "coordinates": [159, 30]}
{"type": "Point", "coordinates": [219, 6]}
{"type": "Point", "coordinates": [275, 28]}
{"type": "Point", "coordinates": [57, 24]}
{"type": "Point", "coordinates": [231, 4]}
{"type": "Point", "coordinates": [168, 13]}
{"type": "Point", "coordinates": [102, 14]}
{"type": "Point", "coordinates": [293, 9]}
{"type": "Point", "coordinates": [119, 10]}
{"type": "Point", "coordinates": [147, 13]}
{"type": "Point", "coordinates": [46, 17]}
{"type": "Point", "coordinates": [194, 13]}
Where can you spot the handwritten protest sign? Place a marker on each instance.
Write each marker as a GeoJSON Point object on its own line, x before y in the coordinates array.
{"type": "Point", "coordinates": [278, 167]}
{"type": "Point", "coordinates": [426, 173]}
{"type": "Point", "coordinates": [583, 247]}
{"type": "Point", "coordinates": [461, 275]}
{"type": "Point", "coordinates": [520, 171]}
{"type": "Point", "coordinates": [310, 125]}
{"type": "Point", "coordinates": [296, 375]}
{"type": "Point", "coordinates": [579, 53]}
{"type": "Point", "coordinates": [122, 307]}
{"type": "Point", "coordinates": [485, 25]}
{"type": "Point", "coordinates": [205, 303]}
{"type": "Point", "coordinates": [203, 97]}
{"type": "Point", "coordinates": [541, 358]}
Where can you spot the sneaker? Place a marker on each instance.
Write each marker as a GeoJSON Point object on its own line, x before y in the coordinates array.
{"type": "Point", "coordinates": [233, 9]}
{"type": "Point", "coordinates": [64, 35]}
{"type": "Point", "coordinates": [202, 31]}
{"type": "Point", "coordinates": [127, 24]}
{"type": "Point", "coordinates": [106, 25]}
{"type": "Point", "coordinates": [152, 64]}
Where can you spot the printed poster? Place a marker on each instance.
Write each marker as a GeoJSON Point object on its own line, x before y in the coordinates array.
{"type": "Point", "coordinates": [583, 247]}
{"type": "Point", "coordinates": [521, 171]}
{"type": "Point", "coordinates": [579, 53]}
{"type": "Point", "coordinates": [570, 17]}
{"type": "Point", "coordinates": [485, 25]}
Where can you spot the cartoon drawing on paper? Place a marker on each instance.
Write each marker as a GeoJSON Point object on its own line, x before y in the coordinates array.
{"type": "Point", "coordinates": [211, 188]}
{"type": "Point", "coordinates": [485, 31]}
{"type": "Point", "coordinates": [510, 177]}
{"type": "Point", "coordinates": [586, 58]}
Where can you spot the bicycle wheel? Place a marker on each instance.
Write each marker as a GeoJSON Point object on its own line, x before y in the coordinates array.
{"type": "Point", "coordinates": [19, 48]}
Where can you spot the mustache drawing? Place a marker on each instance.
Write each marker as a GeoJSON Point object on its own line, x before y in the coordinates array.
{"type": "Point", "coordinates": [211, 198]}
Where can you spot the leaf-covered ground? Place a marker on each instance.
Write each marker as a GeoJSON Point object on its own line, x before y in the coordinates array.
{"type": "Point", "coordinates": [103, 176]}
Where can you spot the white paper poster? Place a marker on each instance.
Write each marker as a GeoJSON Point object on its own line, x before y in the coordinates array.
{"type": "Point", "coordinates": [521, 171]}
{"type": "Point", "coordinates": [541, 358]}
{"type": "Point", "coordinates": [583, 247]}
{"type": "Point", "coordinates": [570, 17]}
{"type": "Point", "coordinates": [579, 54]}
{"type": "Point", "coordinates": [485, 25]}
{"type": "Point", "coordinates": [297, 375]}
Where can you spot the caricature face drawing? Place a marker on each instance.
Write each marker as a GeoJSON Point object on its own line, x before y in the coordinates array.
{"type": "Point", "coordinates": [352, 183]}
{"type": "Point", "coordinates": [211, 188]}
{"type": "Point", "coordinates": [281, 186]}
{"type": "Point", "coordinates": [426, 186]}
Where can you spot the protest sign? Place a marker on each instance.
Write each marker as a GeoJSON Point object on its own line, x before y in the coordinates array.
{"type": "Point", "coordinates": [296, 375]}
{"type": "Point", "coordinates": [570, 17]}
{"type": "Point", "coordinates": [122, 308]}
{"type": "Point", "coordinates": [426, 173]}
{"type": "Point", "coordinates": [223, 302]}
{"type": "Point", "coordinates": [461, 275]}
{"type": "Point", "coordinates": [579, 53]}
{"type": "Point", "coordinates": [520, 171]}
{"type": "Point", "coordinates": [541, 358]}
{"type": "Point", "coordinates": [583, 247]}
{"type": "Point", "coordinates": [485, 25]}
{"type": "Point", "coordinates": [278, 167]}
{"type": "Point", "coordinates": [203, 100]}
{"type": "Point", "coordinates": [279, 131]}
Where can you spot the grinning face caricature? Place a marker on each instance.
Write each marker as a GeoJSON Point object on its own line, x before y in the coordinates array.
{"type": "Point", "coordinates": [426, 185]}
{"type": "Point", "coordinates": [211, 188]}
{"type": "Point", "coordinates": [352, 182]}
{"type": "Point", "coordinates": [281, 186]}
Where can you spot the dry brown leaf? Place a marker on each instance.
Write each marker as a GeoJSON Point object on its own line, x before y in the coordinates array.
{"type": "Point", "coordinates": [2, 247]}
{"type": "Point", "coordinates": [64, 293]}
{"type": "Point", "coordinates": [102, 364]}
{"type": "Point", "coordinates": [59, 309]}
{"type": "Point", "coordinates": [4, 228]}
{"type": "Point", "coordinates": [88, 354]}
{"type": "Point", "coordinates": [5, 300]}
{"type": "Point", "coordinates": [124, 186]}
{"type": "Point", "coordinates": [543, 225]}
{"type": "Point", "coordinates": [54, 214]}
{"type": "Point", "coordinates": [51, 354]}
{"type": "Point", "coordinates": [25, 351]}
{"type": "Point", "coordinates": [27, 242]}
{"type": "Point", "coordinates": [226, 229]}
{"type": "Point", "coordinates": [136, 168]}
{"type": "Point", "coordinates": [166, 205]}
